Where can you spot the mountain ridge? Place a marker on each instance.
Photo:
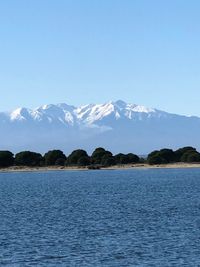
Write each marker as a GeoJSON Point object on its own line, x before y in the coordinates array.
{"type": "Point", "coordinates": [116, 125]}
{"type": "Point", "coordinates": [95, 110]}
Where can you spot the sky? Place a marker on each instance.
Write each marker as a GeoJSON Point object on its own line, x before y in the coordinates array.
{"type": "Point", "coordinates": [93, 51]}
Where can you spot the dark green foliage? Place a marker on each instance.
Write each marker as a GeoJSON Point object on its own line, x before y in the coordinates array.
{"type": "Point", "coordinates": [142, 160]}
{"type": "Point", "coordinates": [119, 158]}
{"type": "Point", "coordinates": [28, 158]}
{"type": "Point", "coordinates": [77, 157]}
{"type": "Point", "coordinates": [52, 156]}
{"type": "Point", "coordinates": [190, 156]}
{"type": "Point", "coordinates": [181, 151]}
{"type": "Point", "coordinates": [133, 158]}
{"type": "Point", "coordinates": [98, 154]}
{"type": "Point", "coordinates": [100, 157]}
{"type": "Point", "coordinates": [153, 153]}
{"type": "Point", "coordinates": [6, 159]}
{"type": "Point", "coordinates": [107, 160]}
{"type": "Point", "coordinates": [83, 161]}
{"type": "Point", "coordinates": [153, 157]}
{"type": "Point", "coordinates": [167, 154]}
{"type": "Point", "coordinates": [193, 157]}
{"type": "Point", "coordinates": [162, 156]}
{"type": "Point", "coordinates": [156, 159]}
{"type": "Point", "coordinates": [126, 158]}
{"type": "Point", "coordinates": [60, 162]}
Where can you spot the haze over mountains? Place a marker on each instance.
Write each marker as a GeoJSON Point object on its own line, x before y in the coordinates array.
{"type": "Point", "coordinates": [117, 126]}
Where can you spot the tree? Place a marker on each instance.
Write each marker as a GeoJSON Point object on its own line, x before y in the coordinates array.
{"type": "Point", "coordinates": [167, 154]}
{"type": "Point", "coordinates": [76, 155]}
{"type": "Point", "coordinates": [98, 154]}
{"type": "Point", "coordinates": [124, 159]}
{"type": "Point", "coordinates": [28, 158]}
{"type": "Point", "coordinates": [107, 160]}
{"type": "Point", "coordinates": [83, 161]}
{"type": "Point", "coordinates": [118, 158]}
{"type": "Point", "coordinates": [133, 158]}
{"type": "Point", "coordinates": [156, 159]}
{"type": "Point", "coordinates": [153, 153]}
{"type": "Point", "coordinates": [164, 155]}
{"type": "Point", "coordinates": [190, 156]}
{"type": "Point", "coordinates": [60, 162]}
{"type": "Point", "coordinates": [6, 158]}
{"type": "Point", "coordinates": [193, 157]}
{"type": "Point", "coordinates": [181, 151]}
{"type": "Point", "coordinates": [52, 156]}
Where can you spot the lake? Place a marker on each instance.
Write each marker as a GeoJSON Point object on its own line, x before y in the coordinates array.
{"type": "Point", "coordinates": [100, 218]}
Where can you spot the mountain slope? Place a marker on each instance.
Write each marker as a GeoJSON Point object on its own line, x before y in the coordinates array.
{"type": "Point", "coordinates": [118, 126]}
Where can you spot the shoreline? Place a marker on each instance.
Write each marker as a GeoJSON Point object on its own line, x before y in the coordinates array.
{"type": "Point", "coordinates": [178, 165]}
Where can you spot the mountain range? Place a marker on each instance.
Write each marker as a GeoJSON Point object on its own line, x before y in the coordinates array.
{"type": "Point", "coordinates": [117, 126]}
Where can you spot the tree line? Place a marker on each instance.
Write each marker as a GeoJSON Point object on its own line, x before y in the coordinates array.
{"type": "Point", "coordinates": [99, 158]}
{"type": "Point", "coordinates": [185, 154]}
{"type": "Point", "coordinates": [79, 157]}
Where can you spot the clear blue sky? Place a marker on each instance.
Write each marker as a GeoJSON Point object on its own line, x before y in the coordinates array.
{"type": "Point", "coordinates": [84, 51]}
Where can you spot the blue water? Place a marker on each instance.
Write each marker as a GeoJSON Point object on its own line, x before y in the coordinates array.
{"type": "Point", "coordinates": [100, 218]}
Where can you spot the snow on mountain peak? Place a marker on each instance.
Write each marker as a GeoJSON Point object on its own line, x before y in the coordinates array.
{"type": "Point", "coordinates": [115, 125]}
{"type": "Point", "coordinates": [20, 114]}
{"type": "Point", "coordinates": [87, 114]}
{"type": "Point", "coordinates": [141, 109]}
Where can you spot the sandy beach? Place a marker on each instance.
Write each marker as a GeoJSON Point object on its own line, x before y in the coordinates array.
{"type": "Point", "coordinates": [116, 167]}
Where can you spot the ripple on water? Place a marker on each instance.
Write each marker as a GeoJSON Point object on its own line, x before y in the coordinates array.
{"type": "Point", "coordinates": [100, 218]}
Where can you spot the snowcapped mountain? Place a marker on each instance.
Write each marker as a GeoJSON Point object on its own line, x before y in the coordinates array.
{"type": "Point", "coordinates": [118, 126]}
{"type": "Point", "coordinates": [88, 114]}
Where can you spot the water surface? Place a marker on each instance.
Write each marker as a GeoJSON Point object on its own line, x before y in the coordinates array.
{"type": "Point", "coordinates": [100, 218]}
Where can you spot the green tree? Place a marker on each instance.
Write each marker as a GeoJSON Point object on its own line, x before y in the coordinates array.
{"type": "Point", "coordinates": [124, 159]}
{"type": "Point", "coordinates": [6, 158]}
{"type": "Point", "coordinates": [193, 157]}
{"type": "Point", "coordinates": [152, 154]}
{"type": "Point", "coordinates": [118, 158]}
{"type": "Point", "coordinates": [76, 155]}
{"type": "Point", "coordinates": [132, 158]}
{"type": "Point", "coordinates": [52, 156]}
{"type": "Point", "coordinates": [98, 154]}
{"type": "Point", "coordinates": [190, 156]}
{"type": "Point", "coordinates": [167, 154]}
{"type": "Point", "coordinates": [60, 162]}
{"type": "Point", "coordinates": [28, 158]}
{"type": "Point", "coordinates": [181, 151]}
{"type": "Point", "coordinates": [162, 156]}
{"type": "Point", "coordinates": [83, 161]}
{"type": "Point", "coordinates": [107, 160]}
{"type": "Point", "coordinates": [156, 159]}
